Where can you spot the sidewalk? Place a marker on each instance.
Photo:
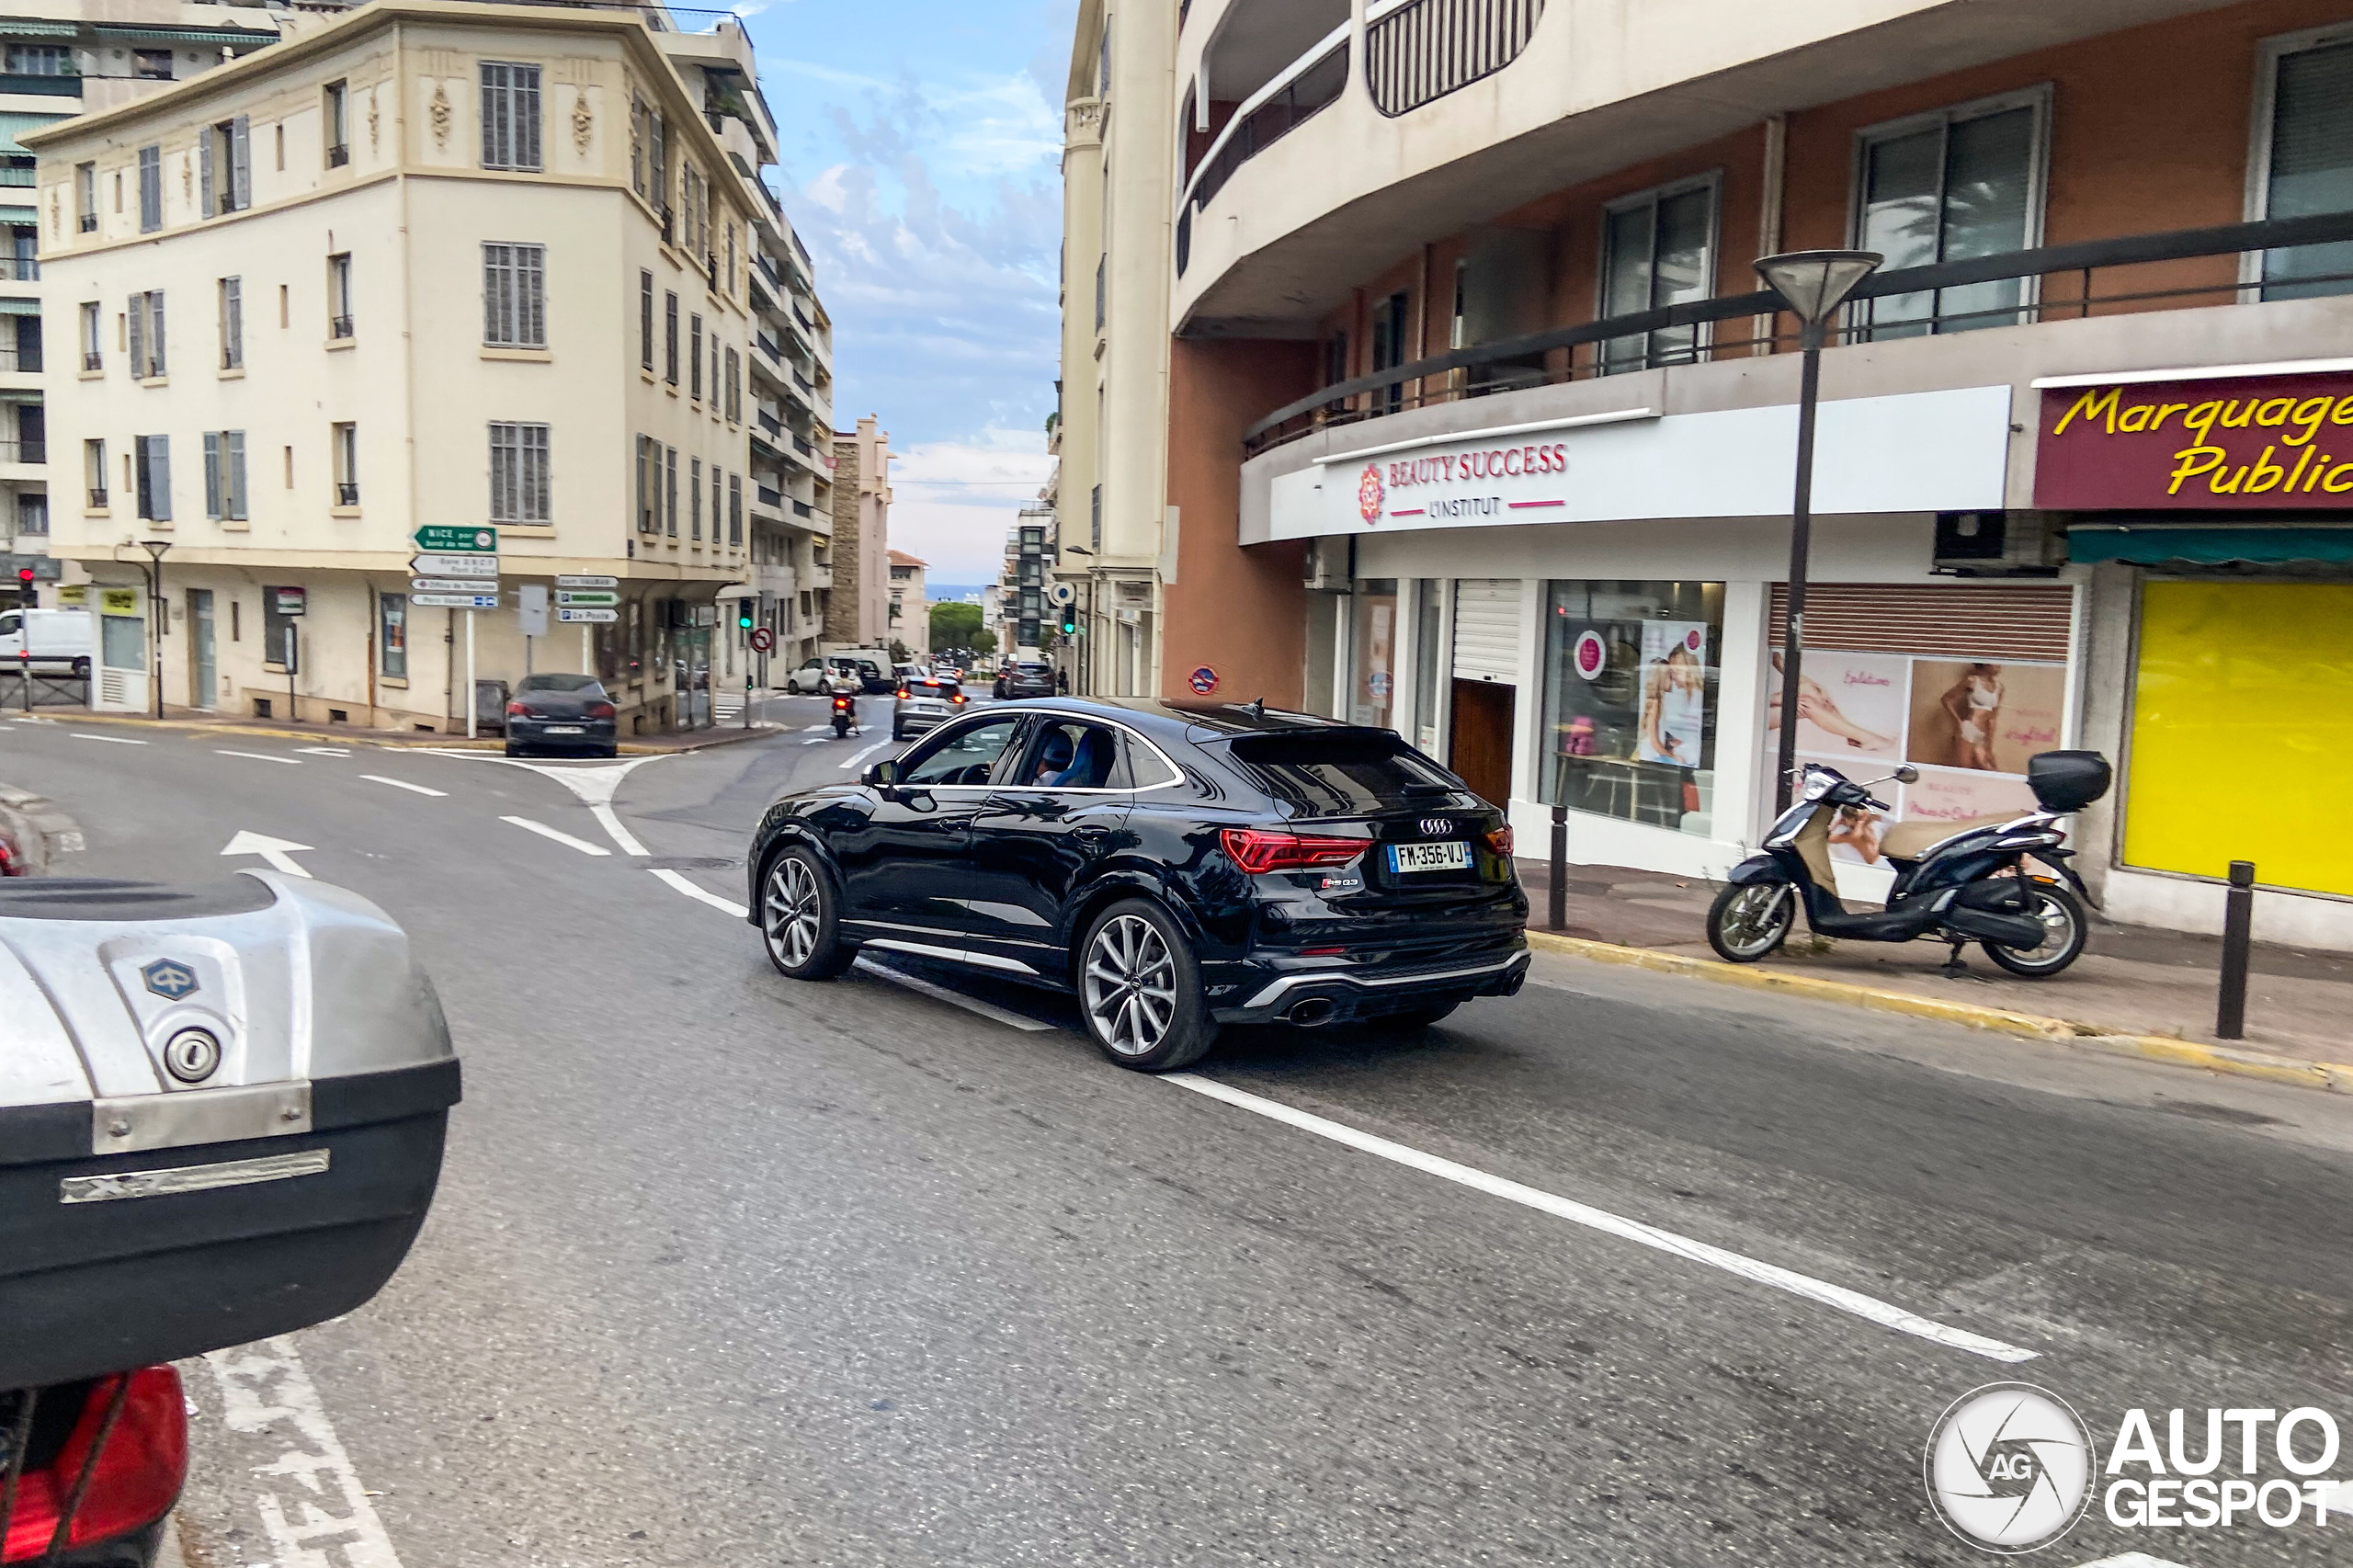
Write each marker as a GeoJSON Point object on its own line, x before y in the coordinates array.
{"type": "Point", "coordinates": [196, 721]}
{"type": "Point", "coordinates": [2130, 980]}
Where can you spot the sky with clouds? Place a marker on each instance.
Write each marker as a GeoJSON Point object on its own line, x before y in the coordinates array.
{"type": "Point", "coordinates": [919, 148]}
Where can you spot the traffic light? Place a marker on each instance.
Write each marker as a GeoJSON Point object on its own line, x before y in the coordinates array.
{"type": "Point", "coordinates": [25, 586]}
{"type": "Point", "coordinates": [743, 615]}
{"type": "Point", "coordinates": [1070, 621]}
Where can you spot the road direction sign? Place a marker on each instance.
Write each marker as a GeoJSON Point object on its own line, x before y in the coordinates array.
{"type": "Point", "coordinates": [455, 601]}
{"type": "Point", "coordinates": [598, 617]}
{"type": "Point", "coordinates": [436, 565]}
{"type": "Point", "coordinates": [579, 580]}
{"type": "Point", "coordinates": [436, 536]}
{"type": "Point", "coordinates": [591, 596]}
{"type": "Point", "coordinates": [452, 586]}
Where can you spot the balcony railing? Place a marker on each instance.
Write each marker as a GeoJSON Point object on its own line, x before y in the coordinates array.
{"type": "Point", "coordinates": [801, 508]}
{"type": "Point", "coordinates": [1308, 84]}
{"type": "Point", "coordinates": [799, 444]}
{"type": "Point", "coordinates": [803, 382]}
{"type": "Point", "coordinates": [770, 423]}
{"type": "Point", "coordinates": [19, 269]}
{"type": "Point", "coordinates": [338, 156]}
{"type": "Point", "coordinates": [1418, 51]}
{"type": "Point", "coordinates": [339, 326]}
{"type": "Point", "coordinates": [41, 86]}
{"type": "Point", "coordinates": [346, 493]}
{"type": "Point", "coordinates": [21, 356]}
{"type": "Point", "coordinates": [88, 223]}
{"type": "Point", "coordinates": [1549, 358]}
{"type": "Point", "coordinates": [768, 497]}
{"type": "Point", "coordinates": [92, 360]}
{"type": "Point", "coordinates": [24, 452]}
{"type": "Point", "coordinates": [97, 500]}
{"type": "Point", "coordinates": [769, 345]}
{"type": "Point", "coordinates": [12, 174]}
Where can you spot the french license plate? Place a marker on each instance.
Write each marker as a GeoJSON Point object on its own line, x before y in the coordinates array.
{"type": "Point", "coordinates": [1450, 855]}
{"type": "Point", "coordinates": [566, 729]}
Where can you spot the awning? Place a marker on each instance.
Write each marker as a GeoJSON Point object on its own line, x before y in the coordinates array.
{"type": "Point", "coordinates": [20, 215]}
{"type": "Point", "coordinates": [214, 36]}
{"type": "Point", "coordinates": [36, 26]}
{"type": "Point", "coordinates": [12, 306]}
{"type": "Point", "coordinates": [14, 123]}
{"type": "Point", "coordinates": [2161, 545]}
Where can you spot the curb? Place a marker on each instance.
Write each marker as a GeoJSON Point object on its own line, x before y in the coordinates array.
{"type": "Point", "coordinates": [42, 830]}
{"type": "Point", "coordinates": [2330, 1077]}
{"type": "Point", "coordinates": [727, 736]}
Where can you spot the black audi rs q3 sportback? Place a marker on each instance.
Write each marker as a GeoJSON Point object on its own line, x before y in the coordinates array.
{"type": "Point", "coordinates": [1176, 868]}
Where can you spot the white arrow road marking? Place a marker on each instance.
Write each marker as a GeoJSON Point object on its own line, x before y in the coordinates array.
{"type": "Point", "coordinates": [544, 831]}
{"type": "Point", "coordinates": [1838, 1296]}
{"type": "Point", "coordinates": [259, 757]}
{"type": "Point", "coordinates": [941, 993]}
{"type": "Point", "coordinates": [325, 751]}
{"type": "Point", "coordinates": [111, 740]}
{"type": "Point", "coordinates": [856, 757]}
{"type": "Point", "coordinates": [593, 785]}
{"type": "Point", "coordinates": [402, 784]}
{"type": "Point", "coordinates": [703, 895]}
{"type": "Point", "coordinates": [277, 851]}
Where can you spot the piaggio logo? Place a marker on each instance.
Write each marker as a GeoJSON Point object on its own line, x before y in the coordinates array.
{"type": "Point", "coordinates": [169, 979]}
{"type": "Point", "coordinates": [2009, 1468]}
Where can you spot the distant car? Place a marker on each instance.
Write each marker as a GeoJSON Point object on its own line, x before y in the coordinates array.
{"type": "Point", "coordinates": [948, 672]}
{"type": "Point", "coordinates": [561, 713]}
{"type": "Point", "coordinates": [924, 702]}
{"type": "Point", "coordinates": [59, 638]}
{"type": "Point", "coordinates": [1028, 678]}
{"type": "Point", "coordinates": [834, 671]}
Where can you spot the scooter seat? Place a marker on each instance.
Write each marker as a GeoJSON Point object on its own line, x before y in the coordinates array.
{"type": "Point", "coordinates": [1911, 840]}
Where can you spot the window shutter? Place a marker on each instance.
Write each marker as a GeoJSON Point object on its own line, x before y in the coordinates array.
{"type": "Point", "coordinates": [137, 316]}
{"type": "Point", "coordinates": [241, 172]}
{"type": "Point", "coordinates": [156, 333]}
{"type": "Point", "coordinates": [140, 479]}
{"type": "Point", "coordinates": [532, 274]}
{"type": "Point", "coordinates": [539, 503]}
{"type": "Point", "coordinates": [494, 105]}
{"type": "Point", "coordinates": [212, 507]}
{"type": "Point", "coordinates": [493, 284]}
{"type": "Point", "coordinates": [204, 169]}
{"type": "Point", "coordinates": [159, 463]}
{"type": "Point", "coordinates": [525, 111]}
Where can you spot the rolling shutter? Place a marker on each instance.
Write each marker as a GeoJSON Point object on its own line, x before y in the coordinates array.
{"type": "Point", "coordinates": [1487, 629]}
{"type": "Point", "coordinates": [1965, 621]}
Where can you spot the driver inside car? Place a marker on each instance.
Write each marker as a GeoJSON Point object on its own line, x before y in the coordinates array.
{"type": "Point", "coordinates": [1054, 759]}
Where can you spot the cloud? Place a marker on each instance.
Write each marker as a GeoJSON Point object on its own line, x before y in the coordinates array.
{"type": "Point", "coordinates": [951, 501]}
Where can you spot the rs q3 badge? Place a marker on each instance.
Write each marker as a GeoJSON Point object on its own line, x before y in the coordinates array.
{"type": "Point", "coordinates": [169, 979]}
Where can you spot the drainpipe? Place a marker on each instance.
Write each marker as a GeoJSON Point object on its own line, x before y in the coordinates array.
{"type": "Point", "coordinates": [1769, 215]}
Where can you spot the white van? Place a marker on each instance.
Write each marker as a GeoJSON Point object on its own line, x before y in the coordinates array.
{"type": "Point", "coordinates": [61, 639]}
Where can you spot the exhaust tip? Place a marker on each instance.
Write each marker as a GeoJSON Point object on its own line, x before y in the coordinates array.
{"type": "Point", "coordinates": [1309, 1014]}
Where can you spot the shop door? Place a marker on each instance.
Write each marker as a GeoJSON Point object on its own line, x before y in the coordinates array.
{"type": "Point", "coordinates": [691, 668]}
{"type": "Point", "coordinates": [1481, 734]}
{"type": "Point", "coordinates": [204, 676]}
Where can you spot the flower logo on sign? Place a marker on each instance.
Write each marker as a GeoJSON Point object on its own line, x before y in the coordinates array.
{"type": "Point", "coordinates": [1371, 495]}
{"type": "Point", "coordinates": [1591, 657]}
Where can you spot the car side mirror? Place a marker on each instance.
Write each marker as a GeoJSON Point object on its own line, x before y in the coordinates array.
{"type": "Point", "coordinates": [1906, 774]}
{"type": "Point", "coordinates": [881, 775]}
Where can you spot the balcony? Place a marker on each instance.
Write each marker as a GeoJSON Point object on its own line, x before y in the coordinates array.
{"type": "Point", "coordinates": [25, 358]}
{"type": "Point", "coordinates": [771, 424]}
{"type": "Point", "coordinates": [40, 85]}
{"type": "Point", "coordinates": [768, 345]}
{"type": "Point", "coordinates": [19, 269]}
{"type": "Point", "coordinates": [801, 382]}
{"type": "Point", "coordinates": [800, 442]}
{"type": "Point", "coordinates": [1418, 53]}
{"type": "Point", "coordinates": [801, 509]}
{"type": "Point", "coordinates": [771, 499]}
{"type": "Point", "coordinates": [34, 452]}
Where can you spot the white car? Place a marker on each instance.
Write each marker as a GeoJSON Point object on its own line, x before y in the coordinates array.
{"type": "Point", "coordinates": [60, 638]}
{"type": "Point", "coordinates": [834, 672]}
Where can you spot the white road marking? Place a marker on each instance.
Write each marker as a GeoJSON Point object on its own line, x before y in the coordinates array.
{"type": "Point", "coordinates": [310, 1501]}
{"type": "Point", "coordinates": [402, 784]}
{"type": "Point", "coordinates": [703, 895]}
{"type": "Point", "coordinates": [279, 852]}
{"type": "Point", "coordinates": [1838, 1296]}
{"type": "Point", "coordinates": [941, 993]}
{"type": "Point", "coordinates": [812, 728]}
{"type": "Point", "coordinates": [111, 740]}
{"type": "Point", "coordinates": [815, 740]}
{"type": "Point", "coordinates": [258, 756]}
{"type": "Point", "coordinates": [544, 831]}
{"type": "Point", "coordinates": [856, 757]}
{"type": "Point", "coordinates": [2132, 1559]}
{"type": "Point", "coordinates": [611, 823]}
{"type": "Point", "coordinates": [325, 751]}
{"type": "Point", "coordinates": [595, 786]}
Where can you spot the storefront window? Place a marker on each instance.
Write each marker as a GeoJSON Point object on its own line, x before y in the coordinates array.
{"type": "Point", "coordinates": [1428, 622]}
{"type": "Point", "coordinates": [1372, 651]}
{"type": "Point", "coordinates": [1629, 699]}
{"type": "Point", "coordinates": [392, 634]}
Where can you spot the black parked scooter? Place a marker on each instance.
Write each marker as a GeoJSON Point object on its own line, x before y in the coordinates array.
{"type": "Point", "coordinates": [1956, 882]}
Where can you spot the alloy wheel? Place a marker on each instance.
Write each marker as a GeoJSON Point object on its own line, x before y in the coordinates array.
{"type": "Point", "coordinates": [1130, 986]}
{"type": "Point", "coordinates": [792, 911]}
{"type": "Point", "coordinates": [1758, 919]}
{"type": "Point", "coordinates": [2058, 923]}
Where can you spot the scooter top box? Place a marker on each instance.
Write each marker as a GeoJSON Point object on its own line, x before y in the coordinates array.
{"type": "Point", "coordinates": [221, 1112]}
{"type": "Point", "coordinates": [2067, 780]}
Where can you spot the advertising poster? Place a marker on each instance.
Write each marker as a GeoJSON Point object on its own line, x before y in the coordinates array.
{"type": "Point", "coordinates": [1674, 691]}
{"type": "Point", "coordinates": [1985, 717]}
{"type": "Point", "coordinates": [1956, 796]}
{"type": "Point", "coordinates": [1855, 832]}
{"type": "Point", "coordinates": [1850, 706]}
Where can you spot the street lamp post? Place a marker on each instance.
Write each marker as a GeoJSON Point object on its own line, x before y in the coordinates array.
{"type": "Point", "coordinates": [155, 549]}
{"type": "Point", "coordinates": [1813, 283]}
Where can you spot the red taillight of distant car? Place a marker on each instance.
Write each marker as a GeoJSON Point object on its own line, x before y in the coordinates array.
{"type": "Point", "coordinates": [138, 1476]}
{"type": "Point", "coordinates": [520, 710]}
{"type": "Point", "coordinates": [1255, 850]}
{"type": "Point", "coordinates": [1499, 839]}
{"type": "Point", "coordinates": [601, 711]}
{"type": "Point", "coordinates": [903, 694]}
{"type": "Point", "coordinates": [958, 698]}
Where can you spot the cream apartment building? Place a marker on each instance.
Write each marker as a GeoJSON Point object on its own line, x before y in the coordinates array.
{"type": "Point", "coordinates": [429, 264]}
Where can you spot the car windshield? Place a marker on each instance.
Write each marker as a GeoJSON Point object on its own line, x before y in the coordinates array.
{"type": "Point", "coordinates": [1338, 772]}
{"type": "Point", "coordinates": [560, 683]}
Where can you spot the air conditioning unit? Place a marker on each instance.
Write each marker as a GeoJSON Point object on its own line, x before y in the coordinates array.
{"type": "Point", "coordinates": [1324, 569]}
{"type": "Point", "coordinates": [1995, 544]}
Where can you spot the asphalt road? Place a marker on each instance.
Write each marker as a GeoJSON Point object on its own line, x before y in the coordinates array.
{"type": "Point", "coordinates": [727, 1269]}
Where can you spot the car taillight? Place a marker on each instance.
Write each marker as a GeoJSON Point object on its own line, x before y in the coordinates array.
{"type": "Point", "coordinates": [519, 711]}
{"type": "Point", "coordinates": [958, 698]}
{"type": "Point", "coordinates": [601, 711]}
{"type": "Point", "coordinates": [138, 1476]}
{"type": "Point", "coordinates": [1499, 839]}
{"type": "Point", "coordinates": [1255, 850]}
{"type": "Point", "coordinates": [903, 694]}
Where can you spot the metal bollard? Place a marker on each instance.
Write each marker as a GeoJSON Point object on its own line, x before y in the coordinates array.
{"type": "Point", "coordinates": [1557, 914]}
{"type": "Point", "coordinates": [2238, 926]}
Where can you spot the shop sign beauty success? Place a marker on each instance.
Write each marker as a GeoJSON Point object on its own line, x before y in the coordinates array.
{"type": "Point", "coordinates": [2273, 443]}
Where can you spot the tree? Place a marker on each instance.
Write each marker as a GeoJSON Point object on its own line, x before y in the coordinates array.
{"type": "Point", "coordinates": [955, 626]}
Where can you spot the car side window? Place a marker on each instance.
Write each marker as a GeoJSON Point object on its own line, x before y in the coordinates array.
{"type": "Point", "coordinates": [1141, 768]}
{"type": "Point", "coordinates": [964, 756]}
{"type": "Point", "coordinates": [1069, 754]}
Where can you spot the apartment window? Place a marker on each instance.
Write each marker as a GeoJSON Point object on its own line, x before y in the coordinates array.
{"type": "Point", "coordinates": [514, 292]}
{"type": "Point", "coordinates": [729, 283]}
{"type": "Point", "coordinates": [694, 501]}
{"type": "Point", "coordinates": [1095, 520]}
{"type": "Point", "coordinates": [518, 475]}
{"type": "Point", "coordinates": [233, 324]}
{"type": "Point", "coordinates": [344, 441]}
{"type": "Point", "coordinates": [734, 387]}
{"type": "Point", "coordinates": [1389, 319]}
{"type": "Point", "coordinates": [715, 497]}
{"type": "Point", "coordinates": [1657, 249]}
{"type": "Point", "coordinates": [645, 320]}
{"type": "Point", "coordinates": [339, 295]}
{"type": "Point", "coordinates": [334, 109]}
{"type": "Point", "coordinates": [32, 515]}
{"type": "Point", "coordinates": [1100, 265]}
{"type": "Point", "coordinates": [637, 117]}
{"type": "Point", "coordinates": [670, 491]}
{"type": "Point", "coordinates": [2304, 164]}
{"type": "Point", "coordinates": [1946, 186]}
{"type": "Point", "coordinates": [224, 168]}
{"type": "Point", "coordinates": [391, 635]}
{"type": "Point", "coordinates": [85, 197]}
{"type": "Point", "coordinates": [150, 190]}
{"type": "Point", "coordinates": [670, 338]}
{"type": "Point", "coordinates": [649, 467]}
{"type": "Point", "coordinates": [92, 359]}
{"type": "Point", "coordinates": [510, 117]}
{"type": "Point", "coordinates": [735, 511]}
{"type": "Point", "coordinates": [657, 168]}
{"type": "Point", "coordinates": [151, 64]}
{"type": "Point", "coordinates": [94, 472]}
{"type": "Point", "coordinates": [145, 316]}
{"type": "Point", "coordinates": [224, 475]}
{"type": "Point", "coordinates": [41, 60]}
{"type": "Point", "coordinates": [694, 355]}
{"type": "Point", "coordinates": [152, 472]}
{"type": "Point", "coordinates": [715, 382]}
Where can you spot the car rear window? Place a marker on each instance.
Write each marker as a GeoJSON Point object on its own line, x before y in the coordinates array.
{"type": "Point", "coordinates": [1334, 773]}
{"type": "Point", "coordinates": [560, 683]}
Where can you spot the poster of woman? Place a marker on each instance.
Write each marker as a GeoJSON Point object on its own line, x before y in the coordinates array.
{"type": "Point", "coordinates": [1849, 705]}
{"type": "Point", "coordinates": [1675, 693]}
{"type": "Point", "coordinates": [1988, 718]}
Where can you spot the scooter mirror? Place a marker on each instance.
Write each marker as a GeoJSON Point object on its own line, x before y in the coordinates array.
{"type": "Point", "coordinates": [1906, 774]}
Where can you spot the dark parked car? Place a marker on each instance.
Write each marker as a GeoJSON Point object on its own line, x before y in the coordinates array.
{"type": "Point", "coordinates": [1177, 868]}
{"type": "Point", "coordinates": [1025, 679]}
{"type": "Point", "coordinates": [560, 712]}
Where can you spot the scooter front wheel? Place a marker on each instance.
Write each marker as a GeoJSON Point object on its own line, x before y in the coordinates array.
{"type": "Point", "coordinates": [2062, 918]}
{"type": "Point", "coordinates": [1748, 920]}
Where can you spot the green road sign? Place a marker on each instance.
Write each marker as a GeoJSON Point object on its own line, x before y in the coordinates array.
{"type": "Point", "coordinates": [457, 541]}
{"type": "Point", "coordinates": [596, 597]}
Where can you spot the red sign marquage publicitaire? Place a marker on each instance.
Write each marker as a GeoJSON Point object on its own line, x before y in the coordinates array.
{"type": "Point", "coordinates": [2271, 443]}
